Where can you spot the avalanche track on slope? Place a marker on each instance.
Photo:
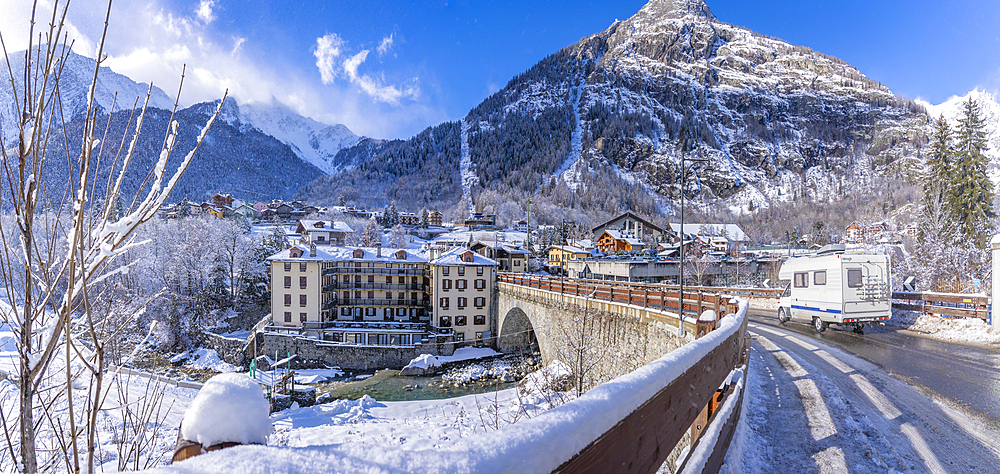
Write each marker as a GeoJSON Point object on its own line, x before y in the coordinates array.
{"type": "Point", "coordinates": [813, 408]}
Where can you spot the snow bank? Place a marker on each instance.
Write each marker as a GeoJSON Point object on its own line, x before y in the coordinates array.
{"type": "Point", "coordinates": [230, 407]}
{"type": "Point", "coordinates": [425, 361]}
{"type": "Point", "coordinates": [971, 330]}
{"type": "Point", "coordinates": [208, 359]}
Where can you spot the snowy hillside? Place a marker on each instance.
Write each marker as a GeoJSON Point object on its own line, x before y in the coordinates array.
{"type": "Point", "coordinates": [75, 79]}
{"type": "Point", "coordinates": [314, 142]}
{"type": "Point", "coordinates": [990, 110]}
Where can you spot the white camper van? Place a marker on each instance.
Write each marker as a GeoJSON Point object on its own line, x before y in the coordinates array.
{"type": "Point", "coordinates": [834, 287]}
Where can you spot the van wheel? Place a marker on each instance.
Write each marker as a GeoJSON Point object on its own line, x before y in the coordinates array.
{"type": "Point", "coordinates": [782, 317]}
{"type": "Point", "coordinates": [819, 324]}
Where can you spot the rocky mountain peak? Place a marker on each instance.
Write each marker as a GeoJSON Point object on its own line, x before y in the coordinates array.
{"type": "Point", "coordinates": [677, 9]}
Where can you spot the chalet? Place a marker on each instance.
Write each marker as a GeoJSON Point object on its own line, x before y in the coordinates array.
{"type": "Point", "coordinates": [481, 221]}
{"type": "Point", "coordinates": [521, 226]}
{"type": "Point", "coordinates": [560, 255]}
{"type": "Point", "coordinates": [630, 223]}
{"type": "Point", "coordinates": [511, 258]}
{"type": "Point", "coordinates": [409, 218]}
{"type": "Point", "coordinates": [854, 232]}
{"type": "Point", "coordinates": [614, 241]}
{"type": "Point", "coordinates": [721, 237]}
{"type": "Point", "coordinates": [435, 218]}
{"type": "Point", "coordinates": [323, 232]}
{"type": "Point", "coordinates": [222, 199]}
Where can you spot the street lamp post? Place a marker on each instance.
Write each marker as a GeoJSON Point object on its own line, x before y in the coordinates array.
{"type": "Point", "coordinates": [680, 302]}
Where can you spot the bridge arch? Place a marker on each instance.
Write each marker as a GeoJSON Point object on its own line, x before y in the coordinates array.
{"type": "Point", "coordinates": [516, 332]}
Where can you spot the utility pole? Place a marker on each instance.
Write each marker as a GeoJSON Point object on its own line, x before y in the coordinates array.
{"type": "Point", "coordinates": [680, 305]}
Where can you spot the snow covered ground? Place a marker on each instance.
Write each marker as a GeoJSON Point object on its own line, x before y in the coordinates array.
{"type": "Point", "coordinates": [813, 408]}
{"type": "Point", "coordinates": [967, 330]}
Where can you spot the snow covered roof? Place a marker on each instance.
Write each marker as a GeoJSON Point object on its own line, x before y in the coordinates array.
{"type": "Point", "coordinates": [568, 248]}
{"type": "Point", "coordinates": [625, 236]}
{"type": "Point", "coordinates": [464, 236]}
{"type": "Point", "coordinates": [732, 231]}
{"type": "Point", "coordinates": [344, 254]}
{"type": "Point", "coordinates": [306, 225]}
{"type": "Point", "coordinates": [453, 257]}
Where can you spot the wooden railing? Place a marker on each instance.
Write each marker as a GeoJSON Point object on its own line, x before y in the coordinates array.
{"type": "Point", "coordinates": [947, 304]}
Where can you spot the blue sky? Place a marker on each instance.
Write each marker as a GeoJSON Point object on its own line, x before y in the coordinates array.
{"type": "Point", "coordinates": [391, 69]}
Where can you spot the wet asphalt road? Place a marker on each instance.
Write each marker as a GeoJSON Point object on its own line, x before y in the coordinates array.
{"type": "Point", "coordinates": [968, 375]}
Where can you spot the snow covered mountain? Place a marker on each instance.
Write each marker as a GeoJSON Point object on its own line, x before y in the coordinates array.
{"type": "Point", "coordinates": [602, 124]}
{"type": "Point", "coordinates": [952, 109]}
{"type": "Point", "coordinates": [313, 142]}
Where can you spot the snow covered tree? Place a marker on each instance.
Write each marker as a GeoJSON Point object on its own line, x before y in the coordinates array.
{"type": "Point", "coordinates": [971, 191]}
{"type": "Point", "coordinates": [390, 216]}
{"type": "Point", "coordinates": [400, 238]}
{"type": "Point", "coordinates": [425, 220]}
{"type": "Point", "coordinates": [371, 236]}
{"type": "Point", "coordinates": [57, 274]}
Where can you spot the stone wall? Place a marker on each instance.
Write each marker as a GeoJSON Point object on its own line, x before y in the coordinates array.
{"type": "Point", "coordinates": [314, 353]}
{"type": "Point", "coordinates": [229, 349]}
{"type": "Point", "coordinates": [611, 343]}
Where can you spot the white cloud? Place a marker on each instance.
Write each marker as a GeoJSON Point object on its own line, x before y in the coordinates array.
{"type": "Point", "coordinates": [204, 11]}
{"type": "Point", "coordinates": [374, 88]}
{"type": "Point", "coordinates": [327, 50]}
{"type": "Point", "coordinates": [384, 46]}
{"type": "Point", "coordinates": [152, 41]}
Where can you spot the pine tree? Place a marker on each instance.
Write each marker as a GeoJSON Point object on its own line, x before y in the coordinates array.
{"type": "Point", "coordinates": [936, 205]}
{"type": "Point", "coordinates": [425, 219]}
{"type": "Point", "coordinates": [970, 190]}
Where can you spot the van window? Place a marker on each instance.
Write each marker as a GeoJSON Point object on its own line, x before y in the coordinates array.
{"type": "Point", "coordinates": [801, 280]}
{"type": "Point", "coordinates": [854, 278]}
{"type": "Point", "coordinates": [819, 278]}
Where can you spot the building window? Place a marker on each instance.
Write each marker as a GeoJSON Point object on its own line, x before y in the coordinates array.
{"type": "Point", "coordinates": [302, 282]}
{"type": "Point", "coordinates": [459, 336]}
{"type": "Point", "coordinates": [854, 278]}
{"type": "Point", "coordinates": [347, 278]}
{"type": "Point", "coordinates": [371, 295]}
{"type": "Point", "coordinates": [388, 295]}
{"type": "Point", "coordinates": [819, 278]}
{"type": "Point", "coordinates": [302, 300]}
{"type": "Point", "coordinates": [371, 278]}
{"type": "Point", "coordinates": [302, 317]}
{"type": "Point", "coordinates": [388, 280]}
{"type": "Point", "coordinates": [444, 271]}
{"type": "Point", "coordinates": [345, 311]}
{"type": "Point", "coordinates": [357, 294]}
{"type": "Point", "coordinates": [461, 302]}
{"type": "Point", "coordinates": [480, 284]}
{"type": "Point", "coordinates": [369, 311]}
{"type": "Point", "coordinates": [446, 284]}
{"type": "Point", "coordinates": [480, 302]}
{"type": "Point", "coordinates": [460, 320]}
{"type": "Point", "coordinates": [288, 300]}
{"type": "Point", "coordinates": [302, 266]}
{"type": "Point", "coordinates": [288, 266]}
{"type": "Point", "coordinates": [443, 303]}
{"type": "Point", "coordinates": [387, 314]}
{"type": "Point", "coordinates": [445, 321]}
{"type": "Point", "coordinates": [288, 316]}
{"type": "Point", "coordinates": [479, 320]}
{"type": "Point", "coordinates": [479, 271]}
{"type": "Point", "coordinates": [357, 278]}
{"type": "Point", "coordinates": [320, 238]}
{"type": "Point", "coordinates": [413, 295]}
{"type": "Point", "coordinates": [461, 271]}
{"type": "Point", "coordinates": [517, 263]}
{"type": "Point", "coordinates": [338, 337]}
{"type": "Point", "coordinates": [461, 284]}
{"type": "Point", "coordinates": [288, 282]}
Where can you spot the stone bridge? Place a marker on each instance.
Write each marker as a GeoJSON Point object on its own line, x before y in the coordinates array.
{"type": "Point", "coordinates": [606, 329]}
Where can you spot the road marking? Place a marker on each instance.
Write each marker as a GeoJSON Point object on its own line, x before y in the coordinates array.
{"type": "Point", "coordinates": [878, 399]}
{"type": "Point", "coordinates": [802, 343]}
{"type": "Point", "coordinates": [839, 364]}
{"type": "Point", "coordinates": [831, 460]}
{"type": "Point", "coordinates": [922, 449]}
{"type": "Point", "coordinates": [820, 423]}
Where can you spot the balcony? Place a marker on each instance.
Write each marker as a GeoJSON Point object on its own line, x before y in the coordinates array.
{"type": "Point", "coordinates": [349, 285]}
{"type": "Point", "coordinates": [378, 302]}
{"type": "Point", "coordinates": [365, 326]}
{"type": "Point", "coordinates": [374, 271]}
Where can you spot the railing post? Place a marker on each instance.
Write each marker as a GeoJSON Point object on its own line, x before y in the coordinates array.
{"type": "Point", "coordinates": [702, 328]}
{"type": "Point", "coordinates": [701, 298]}
{"type": "Point", "coordinates": [645, 297]}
